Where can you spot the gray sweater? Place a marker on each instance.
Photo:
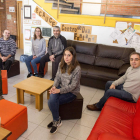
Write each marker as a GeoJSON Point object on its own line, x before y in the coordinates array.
{"type": "Point", "coordinates": [39, 47]}
{"type": "Point", "coordinates": [68, 83]}
{"type": "Point", "coordinates": [131, 81]}
{"type": "Point", "coordinates": [55, 46]}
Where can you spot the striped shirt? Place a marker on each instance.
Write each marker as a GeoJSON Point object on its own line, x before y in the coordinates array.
{"type": "Point", "coordinates": [7, 47]}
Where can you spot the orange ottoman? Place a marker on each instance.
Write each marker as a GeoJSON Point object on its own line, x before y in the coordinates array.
{"type": "Point", "coordinates": [4, 81]}
{"type": "Point", "coordinates": [13, 118]}
{"type": "Point", "coordinates": [45, 69]}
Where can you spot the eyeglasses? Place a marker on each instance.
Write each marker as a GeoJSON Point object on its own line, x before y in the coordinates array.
{"type": "Point", "coordinates": [136, 59]}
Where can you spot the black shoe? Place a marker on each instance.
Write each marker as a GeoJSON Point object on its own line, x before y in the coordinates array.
{"type": "Point", "coordinates": [29, 75]}
{"type": "Point", "coordinates": [52, 79]}
{"type": "Point", "coordinates": [50, 125]}
{"type": "Point", "coordinates": [41, 76]}
{"type": "Point", "coordinates": [35, 74]}
{"type": "Point", "coordinates": [1, 97]}
{"type": "Point", "coordinates": [55, 125]}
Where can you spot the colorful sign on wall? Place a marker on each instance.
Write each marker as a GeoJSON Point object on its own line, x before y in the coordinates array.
{"type": "Point", "coordinates": [45, 16]}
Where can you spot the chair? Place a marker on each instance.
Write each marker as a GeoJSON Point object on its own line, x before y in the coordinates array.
{"type": "Point", "coordinates": [13, 118]}
{"type": "Point", "coordinates": [45, 69]}
{"type": "Point", "coordinates": [4, 81]}
{"type": "Point", "coordinates": [72, 110]}
{"type": "Point", "coordinates": [14, 69]}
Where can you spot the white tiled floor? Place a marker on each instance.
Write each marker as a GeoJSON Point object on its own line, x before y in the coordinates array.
{"type": "Point", "coordinates": [37, 121]}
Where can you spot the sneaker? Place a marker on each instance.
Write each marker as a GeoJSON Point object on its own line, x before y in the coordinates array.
{"type": "Point", "coordinates": [29, 75]}
{"type": "Point", "coordinates": [41, 76]}
{"type": "Point", "coordinates": [55, 125]}
{"type": "Point", "coordinates": [52, 79]}
{"type": "Point", "coordinates": [50, 125]}
{"type": "Point", "coordinates": [35, 74]}
{"type": "Point", "coordinates": [1, 97]}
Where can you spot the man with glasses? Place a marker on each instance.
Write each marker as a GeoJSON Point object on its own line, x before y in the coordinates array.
{"type": "Point", "coordinates": [126, 87]}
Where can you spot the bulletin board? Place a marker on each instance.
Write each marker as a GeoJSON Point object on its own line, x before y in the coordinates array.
{"type": "Point", "coordinates": [128, 25]}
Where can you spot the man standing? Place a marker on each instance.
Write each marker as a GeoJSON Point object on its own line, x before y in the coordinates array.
{"type": "Point", "coordinates": [7, 50]}
{"type": "Point", "coordinates": [126, 87]}
{"type": "Point", "coordinates": [56, 45]}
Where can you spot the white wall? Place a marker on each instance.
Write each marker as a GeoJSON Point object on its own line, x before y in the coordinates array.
{"type": "Point", "coordinates": [103, 33]}
{"type": "Point", "coordinates": [91, 9]}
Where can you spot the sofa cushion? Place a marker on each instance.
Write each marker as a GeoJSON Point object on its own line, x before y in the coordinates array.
{"type": "Point", "coordinates": [84, 58]}
{"type": "Point", "coordinates": [84, 48]}
{"type": "Point", "coordinates": [111, 56]}
{"type": "Point", "coordinates": [123, 69]}
{"type": "Point", "coordinates": [84, 68]}
{"type": "Point", "coordinates": [125, 106]}
{"type": "Point", "coordinates": [102, 73]}
{"type": "Point", "coordinates": [114, 120]}
{"type": "Point", "coordinates": [108, 62]}
{"type": "Point", "coordinates": [136, 121]}
{"type": "Point", "coordinates": [110, 136]}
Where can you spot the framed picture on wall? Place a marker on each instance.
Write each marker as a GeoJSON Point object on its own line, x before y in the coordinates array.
{"type": "Point", "coordinates": [27, 12]}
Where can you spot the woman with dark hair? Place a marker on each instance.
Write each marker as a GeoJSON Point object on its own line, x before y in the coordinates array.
{"type": "Point", "coordinates": [38, 51]}
{"type": "Point", "coordinates": [66, 86]}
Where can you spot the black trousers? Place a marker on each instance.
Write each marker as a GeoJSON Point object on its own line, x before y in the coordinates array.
{"type": "Point", "coordinates": [6, 64]}
{"type": "Point", "coordinates": [55, 64]}
{"type": "Point", "coordinates": [0, 84]}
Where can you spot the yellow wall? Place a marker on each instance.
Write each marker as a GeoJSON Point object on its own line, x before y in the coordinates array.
{"type": "Point", "coordinates": [81, 19]}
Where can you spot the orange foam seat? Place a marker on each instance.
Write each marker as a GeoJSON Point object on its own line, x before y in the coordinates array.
{"type": "Point", "coordinates": [13, 118]}
{"type": "Point", "coordinates": [4, 81]}
{"type": "Point", "coordinates": [45, 69]}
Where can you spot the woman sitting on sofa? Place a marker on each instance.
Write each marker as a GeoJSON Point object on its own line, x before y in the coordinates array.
{"type": "Point", "coordinates": [66, 86]}
{"type": "Point", "coordinates": [38, 51]}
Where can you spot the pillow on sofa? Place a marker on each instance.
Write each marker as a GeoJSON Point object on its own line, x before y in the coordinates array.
{"type": "Point", "coordinates": [123, 69]}
{"type": "Point", "coordinates": [136, 121]}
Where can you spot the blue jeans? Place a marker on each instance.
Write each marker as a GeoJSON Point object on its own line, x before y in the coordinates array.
{"type": "Point", "coordinates": [118, 93]}
{"type": "Point", "coordinates": [33, 63]}
{"type": "Point", "coordinates": [59, 99]}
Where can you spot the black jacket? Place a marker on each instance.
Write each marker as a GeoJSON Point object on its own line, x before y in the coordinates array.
{"type": "Point", "coordinates": [63, 40]}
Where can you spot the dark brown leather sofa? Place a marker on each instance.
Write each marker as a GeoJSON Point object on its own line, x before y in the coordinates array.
{"type": "Point", "coordinates": [100, 63]}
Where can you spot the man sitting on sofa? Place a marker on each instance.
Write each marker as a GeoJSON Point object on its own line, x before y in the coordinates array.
{"type": "Point", "coordinates": [126, 87]}
{"type": "Point", "coordinates": [56, 45]}
{"type": "Point", "coordinates": [7, 50]}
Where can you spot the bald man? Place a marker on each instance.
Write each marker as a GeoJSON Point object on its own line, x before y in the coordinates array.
{"type": "Point", "coordinates": [7, 50]}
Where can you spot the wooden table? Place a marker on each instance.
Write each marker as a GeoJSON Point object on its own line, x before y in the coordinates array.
{"type": "Point", "coordinates": [4, 133]}
{"type": "Point", "coordinates": [35, 86]}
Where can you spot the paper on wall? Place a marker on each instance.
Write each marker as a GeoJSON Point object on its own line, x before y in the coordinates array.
{"type": "Point", "coordinates": [135, 42]}
{"type": "Point", "coordinates": [27, 34]}
{"type": "Point", "coordinates": [121, 25]}
{"type": "Point", "coordinates": [115, 34]}
{"type": "Point", "coordinates": [129, 33]}
{"type": "Point", "coordinates": [121, 40]}
{"type": "Point", "coordinates": [137, 27]}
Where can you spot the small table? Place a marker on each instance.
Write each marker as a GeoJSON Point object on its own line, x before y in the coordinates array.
{"type": "Point", "coordinates": [35, 86]}
{"type": "Point", "coordinates": [4, 133]}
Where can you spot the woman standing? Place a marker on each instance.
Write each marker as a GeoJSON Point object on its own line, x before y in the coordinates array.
{"type": "Point", "coordinates": [38, 51]}
{"type": "Point", "coordinates": [66, 86]}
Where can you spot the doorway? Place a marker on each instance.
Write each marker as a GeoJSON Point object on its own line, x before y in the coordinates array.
{"type": "Point", "coordinates": [19, 25]}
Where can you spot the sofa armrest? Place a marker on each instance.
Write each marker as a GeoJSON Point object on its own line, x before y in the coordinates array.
{"type": "Point", "coordinates": [123, 69]}
{"type": "Point", "coordinates": [110, 136]}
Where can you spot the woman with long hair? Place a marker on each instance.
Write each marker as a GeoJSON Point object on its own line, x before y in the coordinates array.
{"type": "Point", "coordinates": [38, 51]}
{"type": "Point", "coordinates": [66, 86]}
